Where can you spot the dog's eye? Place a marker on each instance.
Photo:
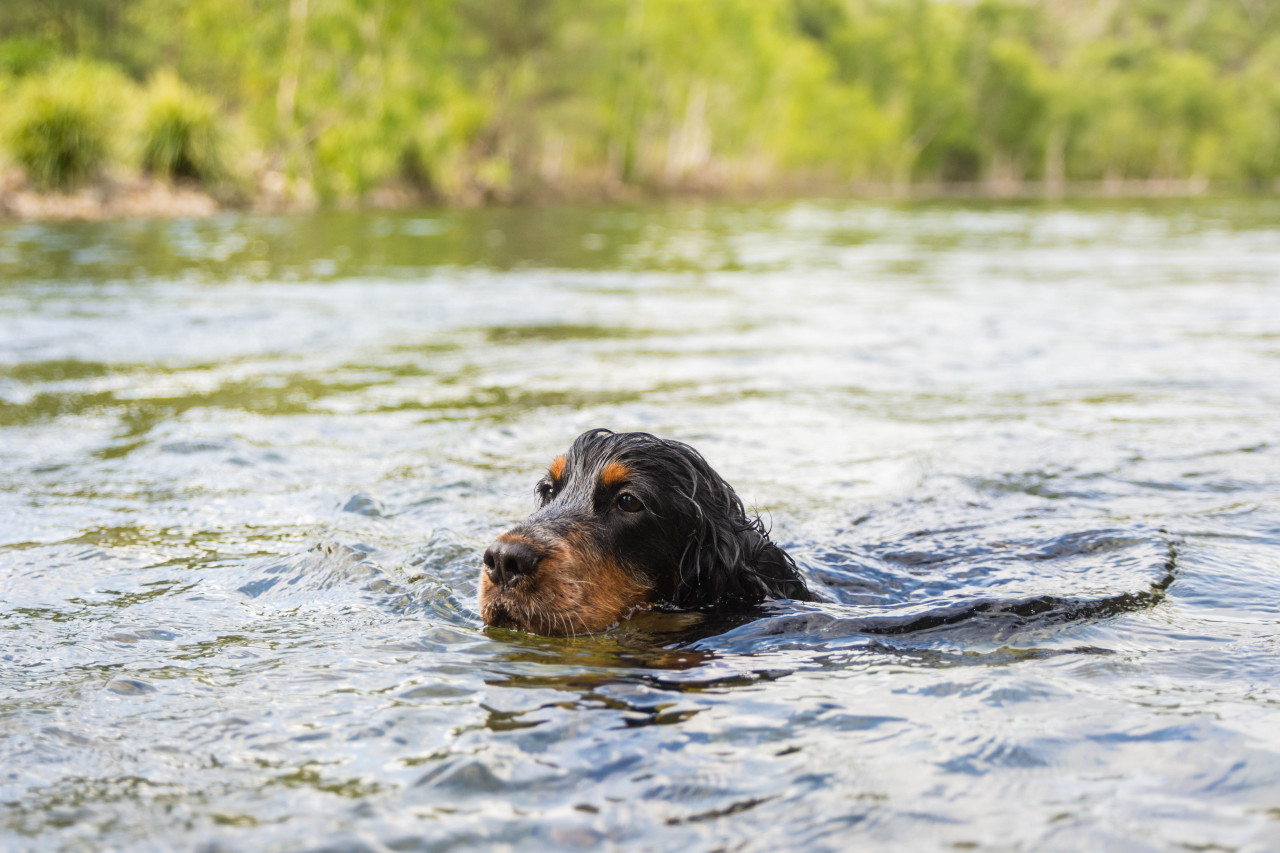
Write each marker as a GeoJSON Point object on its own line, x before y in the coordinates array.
{"type": "Point", "coordinates": [628, 502]}
{"type": "Point", "coordinates": [545, 491]}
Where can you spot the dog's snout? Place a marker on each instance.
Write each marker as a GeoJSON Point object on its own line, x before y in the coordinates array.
{"type": "Point", "coordinates": [506, 560]}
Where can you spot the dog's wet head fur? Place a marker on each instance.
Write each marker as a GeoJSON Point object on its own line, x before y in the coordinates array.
{"type": "Point", "coordinates": [628, 521]}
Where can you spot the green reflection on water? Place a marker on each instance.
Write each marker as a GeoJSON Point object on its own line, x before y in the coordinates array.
{"type": "Point", "coordinates": [282, 395]}
{"type": "Point", "coordinates": [560, 332]}
{"type": "Point", "coordinates": [57, 370]}
{"type": "Point", "coordinates": [689, 237]}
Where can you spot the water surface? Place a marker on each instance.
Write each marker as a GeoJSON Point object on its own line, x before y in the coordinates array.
{"type": "Point", "coordinates": [1028, 454]}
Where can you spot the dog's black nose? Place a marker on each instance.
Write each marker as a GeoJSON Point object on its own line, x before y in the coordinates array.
{"type": "Point", "coordinates": [506, 560]}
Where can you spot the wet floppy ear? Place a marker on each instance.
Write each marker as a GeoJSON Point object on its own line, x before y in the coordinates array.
{"type": "Point", "coordinates": [730, 560]}
{"type": "Point", "coordinates": [754, 568]}
{"type": "Point", "coordinates": [773, 572]}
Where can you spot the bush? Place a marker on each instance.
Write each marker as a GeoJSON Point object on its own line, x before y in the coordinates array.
{"type": "Point", "coordinates": [25, 55]}
{"type": "Point", "coordinates": [181, 132]}
{"type": "Point", "coordinates": [59, 129]}
{"type": "Point", "coordinates": [352, 157]}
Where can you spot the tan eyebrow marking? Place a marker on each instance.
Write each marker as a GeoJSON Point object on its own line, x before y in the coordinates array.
{"type": "Point", "coordinates": [557, 467]}
{"type": "Point", "coordinates": [614, 473]}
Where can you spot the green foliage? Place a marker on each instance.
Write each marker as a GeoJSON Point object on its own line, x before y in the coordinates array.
{"type": "Point", "coordinates": [24, 55]}
{"type": "Point", "coordinates": [1251, 148]}
{"type": "Point", "coordinates": [181, 133]}
{"type": "Point", "coordinates": [59, 127]}
{"type": "Point", "coordinates": [474, 100]}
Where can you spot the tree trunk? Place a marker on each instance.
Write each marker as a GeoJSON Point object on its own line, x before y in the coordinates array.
{"type": "Point", "coordinates": [296, 40]}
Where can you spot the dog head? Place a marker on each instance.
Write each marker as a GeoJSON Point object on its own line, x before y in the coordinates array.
{"type": "Point", "coordinates": [629, 520]}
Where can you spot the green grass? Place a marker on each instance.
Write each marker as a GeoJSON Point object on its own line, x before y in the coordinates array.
{"type": "Point", "coordinates": [59, 129]}
{"type": "Point", "coordinates": [181, 134]}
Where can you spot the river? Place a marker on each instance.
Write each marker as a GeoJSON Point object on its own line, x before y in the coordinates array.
{"type": "Point", "coordinates": [1027, 453]}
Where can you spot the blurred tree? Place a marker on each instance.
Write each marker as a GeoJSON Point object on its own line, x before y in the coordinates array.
{"type": "Point", "coordinates": [78, 28]}
{"type": "Point", "coordinates": [475, 100]}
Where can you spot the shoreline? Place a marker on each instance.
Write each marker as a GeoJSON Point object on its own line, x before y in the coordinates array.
{"type": "Point", "coordinates": [144, 197]}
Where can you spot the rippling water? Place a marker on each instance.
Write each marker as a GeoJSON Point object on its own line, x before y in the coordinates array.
{"type": "Point", "coordinates": [1027, 454]}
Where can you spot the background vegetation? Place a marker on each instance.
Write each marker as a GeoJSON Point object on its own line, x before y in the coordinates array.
{"type": "Point", "coordinates": [493, 100]}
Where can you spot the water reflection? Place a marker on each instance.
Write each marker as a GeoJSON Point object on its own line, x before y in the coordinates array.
{"type": "Point", "coordinates": [1025, 452]}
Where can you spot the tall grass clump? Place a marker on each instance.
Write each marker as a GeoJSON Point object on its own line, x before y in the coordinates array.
{"type": "Point", "coordinates": [181, 133]}
{"type": "Point", "coordinates": [59, 127]}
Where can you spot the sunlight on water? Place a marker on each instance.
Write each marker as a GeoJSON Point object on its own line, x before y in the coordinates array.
{"type": "Point", "coordinates": [1026, 454]}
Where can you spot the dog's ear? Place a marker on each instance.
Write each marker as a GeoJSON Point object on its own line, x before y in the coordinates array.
{"type": "Point", "coordinates": [729, 559]}
{"type": "Point", "coordinates": [771, 569]}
